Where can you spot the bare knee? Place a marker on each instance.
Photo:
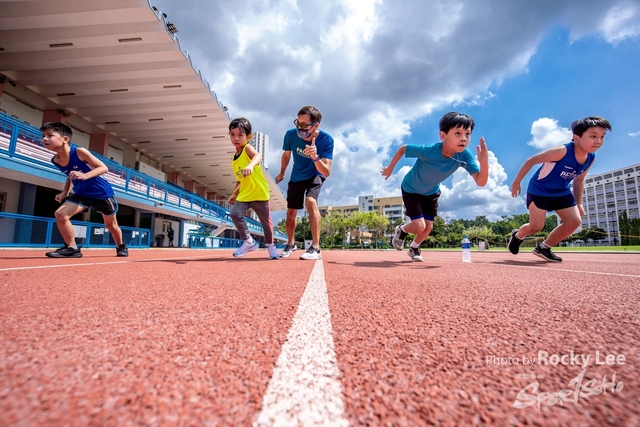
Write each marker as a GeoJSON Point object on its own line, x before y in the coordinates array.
{"type": "Point", "coordinates": [311, 204]}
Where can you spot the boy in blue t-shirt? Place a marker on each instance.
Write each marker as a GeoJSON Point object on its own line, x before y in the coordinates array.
{"type": "Point", "coordinates": [312, 151]}
{"type": "Point", "coordinates": [549, 187]}
{"type": "Point", "coordinates": [435, 163]}
{"type": "Point", "coordinates": [83, 170]}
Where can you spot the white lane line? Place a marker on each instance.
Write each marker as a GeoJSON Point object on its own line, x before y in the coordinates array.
{"type": "Point", "coordinates": [305, 389]}
{"type": "Point", "coordinates": [565, 270]}
{"type": "Point", "coordinates": [84, 264]}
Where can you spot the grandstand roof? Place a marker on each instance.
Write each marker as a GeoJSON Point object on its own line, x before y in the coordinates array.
{"type": "Point", "coordinates": [116, 68]}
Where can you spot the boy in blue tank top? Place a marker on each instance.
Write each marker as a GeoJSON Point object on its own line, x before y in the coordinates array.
{"type": "Point", "coordinates": [83, 171]}
{"type": "Point", "coordinates": [549, 188]}
{"type": "Point", "coordinates": [435, 163]}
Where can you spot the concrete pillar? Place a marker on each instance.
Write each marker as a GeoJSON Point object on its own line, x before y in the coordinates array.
{"type": "Point", "coordinates": [2, 79]}
{"type": "Point", "coordinates": [201, 191]}
{"type": "Point", "coordinates": [189, 185]}
{"type": "Point", "coordinates": [173, 178]}
{"type": "Point", "coordinates": [99, 143]}
{"type": "Point", "coordinates": [211, 195]}
{"type": "Point", "coordinates": [54, 116]}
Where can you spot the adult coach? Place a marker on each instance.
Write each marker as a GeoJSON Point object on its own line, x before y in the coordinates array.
{"type": "Point", "coordinates": [312, 151]}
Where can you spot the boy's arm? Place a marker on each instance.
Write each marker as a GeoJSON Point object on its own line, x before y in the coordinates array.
{"type": "Point", "coordinates": [284, 162]}
{"type": "Point", "coordinates": [97, 167]}
{"type": "Point", "coordinates": [255, 157]}
{"type": "Point", "coordinates": [551, 155]}
{"type": "Point", "coordinates": [578, 188]}
{"type": "Point", "coordinates": [234, 194]}
{"type": "Point", "coordinates": [65, 191]}
{"type": "Point", "coordinates": [482, 177]}
{"type": "Point", "coordinates": [387, 171]}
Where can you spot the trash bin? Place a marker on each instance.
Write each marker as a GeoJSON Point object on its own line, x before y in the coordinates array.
{"type": "Point", "coordinates": [160, 240]}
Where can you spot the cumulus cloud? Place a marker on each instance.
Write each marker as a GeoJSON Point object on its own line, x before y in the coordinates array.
{"type": "Point", "coordinates": [374, 69]}
{"type": "Point", "coordinates": [547, 134]}
{"type": "Point", "coordinates": [634, 134]}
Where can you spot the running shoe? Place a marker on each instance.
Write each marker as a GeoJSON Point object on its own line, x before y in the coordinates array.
{"type": "Point", "coordinates": [398, 238]}
{"type": "Point", "coordinates": [245, 248]}
{"type": "Point", "coordinates": [414, 254]}
{"type": "Point", "coordinates": [273, 251]}
{"type": "Point", "coordinates": [65, 252]}
{"type": "Point", "coordinates": [546, 254]}
{"type": "Point", "coordinates": [122, 250]}
{"type": "Point", "coordinates": [311, 253]}
{"type": "Point", "coordinates": [514, 243]}
{"type": "Point", "coordinates": [287, 250]}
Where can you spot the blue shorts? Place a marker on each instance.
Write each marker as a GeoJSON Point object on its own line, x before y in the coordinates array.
{"type": "Point", "coordinates": [551, 203]}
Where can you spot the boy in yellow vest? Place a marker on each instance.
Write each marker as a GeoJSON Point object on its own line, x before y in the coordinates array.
{"type": "Point", "coordinates": [252, 189]}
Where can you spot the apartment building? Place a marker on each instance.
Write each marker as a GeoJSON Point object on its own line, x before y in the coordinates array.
{"type": "Point", "coordinates": [607, 195]}
{"type": "Point", "coordinates": [391, 207]}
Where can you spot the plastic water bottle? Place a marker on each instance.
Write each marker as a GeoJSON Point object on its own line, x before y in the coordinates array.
{"type": "Point", "coordinates": [466, 250]}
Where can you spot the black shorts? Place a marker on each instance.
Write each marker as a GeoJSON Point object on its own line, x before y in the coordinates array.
{"type": "Point", "coordinates": [551, 203]}
{"type": "Point", "coordinates": [104, 206]}
{"type": "Point", "coordinates": [419, 206]}
{"type": "Point", "coordinates": [296, 191]}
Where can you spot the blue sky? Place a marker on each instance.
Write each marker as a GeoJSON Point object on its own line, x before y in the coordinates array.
{"type": "Point", "coordinates": [383, 73]}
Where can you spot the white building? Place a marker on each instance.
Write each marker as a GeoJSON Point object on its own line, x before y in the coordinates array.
{"type": "Point", "coordinates": [607, 195]}
{"type": "Point", "coordinates": [260, 142]}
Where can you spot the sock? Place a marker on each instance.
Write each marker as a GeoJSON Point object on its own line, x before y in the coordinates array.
{"type": "Point", "coordinates": [544, 245]}
{"type": "Point", "coordinates": [414, 245]}
{"type": "Point", "coordinates": [72, 246]}
{"type": "Point", "coordinates": [249, 240]}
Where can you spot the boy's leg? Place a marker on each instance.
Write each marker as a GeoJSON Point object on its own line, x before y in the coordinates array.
{"type": "Point", "coordinates": [570, 222]}
{"type": "Point", "coordinates": [63, 220]}
{"type": "Point", "coordinates": [262, 211]}
{"type": "Point", "coordinates": [111, 222]}
{"type": "Point", "coordinates": [537, 217]}
{"type": "Point", "coordinates": [237, 216]}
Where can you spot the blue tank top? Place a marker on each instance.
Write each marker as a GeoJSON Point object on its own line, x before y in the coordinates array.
{"type": "Point", "coordinates": [552, 179]}
{"type": "Point", "coordinates": [96, 187]}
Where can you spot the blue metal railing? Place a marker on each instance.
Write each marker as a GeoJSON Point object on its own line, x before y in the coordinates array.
{"type": "Point", "coordinates": [19, 139]}
{"type": "Point", "coordinates": [33, 231]}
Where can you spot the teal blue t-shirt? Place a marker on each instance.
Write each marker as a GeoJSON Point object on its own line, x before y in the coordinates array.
{"type": "Point", "coordinates": [431, 168]}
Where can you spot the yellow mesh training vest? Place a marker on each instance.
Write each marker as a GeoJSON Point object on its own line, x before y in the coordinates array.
{"type": "Point", "coordinates": [253, 188]}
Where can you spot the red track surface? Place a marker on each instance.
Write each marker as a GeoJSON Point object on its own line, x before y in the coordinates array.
{"type": "Point", "coordinates": [180, 337]}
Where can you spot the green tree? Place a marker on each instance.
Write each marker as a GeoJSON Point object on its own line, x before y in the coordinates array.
{"type": "Point", "coordinates": [376, 224]}
{"type": "Point", "coordinates": [333, 224]}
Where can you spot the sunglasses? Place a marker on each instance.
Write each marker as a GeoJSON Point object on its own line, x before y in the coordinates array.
{"type": "Point", "coordinates": [303, 125]}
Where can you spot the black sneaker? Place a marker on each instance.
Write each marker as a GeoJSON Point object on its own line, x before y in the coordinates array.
{"type": "Point", "coordinates": [546, 254]}
{"type": "Point", "coordinates": [122, 250]}
{"type": "Point", "coordinates": [414, 254]}
{"type": "Point", "coordinates": [514, 243]}
{"type": "Point", "coordinates": [398, 238]}
{"type": "Point", "coordinates": [65, 252]}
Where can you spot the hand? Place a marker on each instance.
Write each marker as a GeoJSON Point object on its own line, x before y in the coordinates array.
{"type": "Point", "coordinates": [483, 153]}
{"type": "Point", "coordinates": [581, 209]}
{"type": "Point", "coordinates": [312, 150]}
{"type": "Point", "coordinates": [247, 171]}
{"type": "Point", "coordinates": [232, 199]}
{"type": "Point", "coordinates": [60, 197]}
{"type": "Point", "coordinates": [515, 189]}
{"type": "Point", "coordinates": [386, 172]}
{"type": "Point", "coordinates": [279, 177]}
{"type": "Point", "coordinates": [77, 175]}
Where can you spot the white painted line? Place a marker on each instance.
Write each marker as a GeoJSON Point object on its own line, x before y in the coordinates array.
{"type": "Point", "coordinates": [84, 264]}
{"type": "Point", "coordinates": [305, 389]}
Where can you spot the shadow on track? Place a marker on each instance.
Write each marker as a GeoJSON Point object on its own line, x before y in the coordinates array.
{"type": "Point", "coordinates": [385, 264]}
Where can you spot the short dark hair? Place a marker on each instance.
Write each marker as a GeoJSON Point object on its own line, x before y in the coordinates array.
{"type": "Point", "coordinates": [313, 112]}
{"type": "Point", "coordinates": [455, 120]}
{"type": "Point", "coordinates": [241, 123]}
{"type": "Point", "coordinates": [580, 126]}
{"type": "Point", "coordinates": [59, 128]}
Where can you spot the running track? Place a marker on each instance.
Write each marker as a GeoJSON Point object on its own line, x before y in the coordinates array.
{"type": "Point", "coordinates": [185, 337]}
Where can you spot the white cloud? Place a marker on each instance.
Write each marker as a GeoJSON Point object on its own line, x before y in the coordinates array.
{"type": "Point", "coordinates": [634, 134]}
{"type": "Point", "coordinates": [621, 22]}
{"type": "Point", "coordinates": [547, 134]}
{"type": "Point", "coordinates": [466, 200]}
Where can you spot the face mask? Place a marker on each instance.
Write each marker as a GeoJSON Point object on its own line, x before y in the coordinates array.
{"type": "Point", "coordinates": [303, 133]}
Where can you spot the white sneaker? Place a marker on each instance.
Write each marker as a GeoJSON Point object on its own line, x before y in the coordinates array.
{"type": "Point", "coordinates": [311, 253]}
{"type": "Point", "coordinates": [414, 253]}
{"type": "Point", "coordinates": [287, 250]}
{"type": "Point", "coordinates": [273, 251]}
{"type": "Point", "coordinates": [398, 238]}
{"type": "Point", "coordinates": [245, 248]}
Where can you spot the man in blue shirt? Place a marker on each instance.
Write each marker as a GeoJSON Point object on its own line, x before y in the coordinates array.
{"type": "Point", "coordinates": [435, 163]}
{"type": "Point", "coordinates": [312, 151]}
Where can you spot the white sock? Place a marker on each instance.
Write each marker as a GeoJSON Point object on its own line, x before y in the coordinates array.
{"type": "Point", "coordinates": [249, 240]}
{"type": "Point", "coordinates": [414, 245]}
